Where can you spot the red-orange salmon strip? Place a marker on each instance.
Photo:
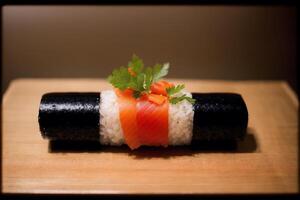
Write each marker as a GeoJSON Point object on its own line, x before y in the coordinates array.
{"type": "Point", "coordinates": [152, 122]}
{"type": "Point", "coordinates": [145, 121]}
{"type": "Point", "coordinates": [160, 87]}
{"type": "Point", "coordinates": [127, 112]}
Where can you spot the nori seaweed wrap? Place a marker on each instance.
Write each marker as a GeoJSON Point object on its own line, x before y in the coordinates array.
{"type": "Point", "coordinates": [70, 116]}
{"type": "Point", "coordinates": [219, 116]}
{"type": "Point", "coordinates": [76, 116]}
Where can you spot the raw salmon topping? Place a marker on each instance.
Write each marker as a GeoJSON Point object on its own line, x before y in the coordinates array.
{"type": "Point", "coordinates": [160, 87]}
{"type": "Point", "coordinates": [127, 113]}
{"type": "Point", "coordinates": [143, 121]}
{"type": "Point", "coordinates": [152, 122]}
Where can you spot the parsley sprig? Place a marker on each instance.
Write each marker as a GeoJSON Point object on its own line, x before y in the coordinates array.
{"type": "Point", "coordinates": [140, 78]}
{"type": "Point", "coordinates": [143, 78]}
{"type": "Point", "coordinates": [175, 99]}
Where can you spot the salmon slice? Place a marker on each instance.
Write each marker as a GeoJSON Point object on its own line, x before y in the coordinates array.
{"type": "Point", "coordinates": [160, 87]}
{"type": "Point", "coordinates": [144, 121]}
{"type": "Point", "coordinates": [128, 113]}
{"type": "Point", "coordinates": [158, 99]}
{"type": "Point", "coordinates": [152, 122]}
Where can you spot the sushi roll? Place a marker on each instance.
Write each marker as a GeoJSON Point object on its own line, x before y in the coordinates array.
{"type": "Point", "coordinates": [156, 114]}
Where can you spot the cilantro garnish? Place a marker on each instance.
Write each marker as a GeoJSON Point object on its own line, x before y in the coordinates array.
{"type": "Point", "coordinates": [139, 79]}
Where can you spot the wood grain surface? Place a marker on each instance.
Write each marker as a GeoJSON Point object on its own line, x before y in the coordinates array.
{"type": "Point", "coordinates": [265, 162]}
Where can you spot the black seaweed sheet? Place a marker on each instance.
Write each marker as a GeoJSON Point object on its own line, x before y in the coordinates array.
{"type": "Point", "coordinates": [70, 116]}
{"type": "Point", "coordinates": [75, 116]}
{"type": "Point", "coordinates": [219, 116]}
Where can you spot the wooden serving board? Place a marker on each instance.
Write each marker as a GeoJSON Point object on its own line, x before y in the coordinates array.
{"type": "Point", "coordinates": [266, 162]}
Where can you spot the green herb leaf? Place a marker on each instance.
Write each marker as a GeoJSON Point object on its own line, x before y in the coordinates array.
{"type": "Point", "coordinates": [136, 64]}
{"type": "Point", "coordinates": [141, 80]}
{"type": "Point", "coordinates": [175, 100]}
{"type": "Point", "coordinates": [174, 89]}
{"type": "Point", "coordinates": [120, 78]}
{"type": "Point", "coordinates": [160, 71]}
{"type": "Point", "coordinates": [133, 83]}
{"type": "Point", "coordinates": [148, 78]}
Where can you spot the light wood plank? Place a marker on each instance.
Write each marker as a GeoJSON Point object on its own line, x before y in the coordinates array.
{"type": "Point", "coordinates": [28, 166]}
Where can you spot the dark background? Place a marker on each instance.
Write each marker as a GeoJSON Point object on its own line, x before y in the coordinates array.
{"type": "Point", "coordinates": [201, 42]}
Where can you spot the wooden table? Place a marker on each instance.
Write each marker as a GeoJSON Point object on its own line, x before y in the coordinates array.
{"type": "Point", "coordinates": [266, 162]}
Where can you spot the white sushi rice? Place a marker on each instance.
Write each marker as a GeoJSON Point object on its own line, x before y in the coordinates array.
{"type": "Point", "coordinates": [180, 121]}
{"type": "Point", "coordinates": [110, 128]}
